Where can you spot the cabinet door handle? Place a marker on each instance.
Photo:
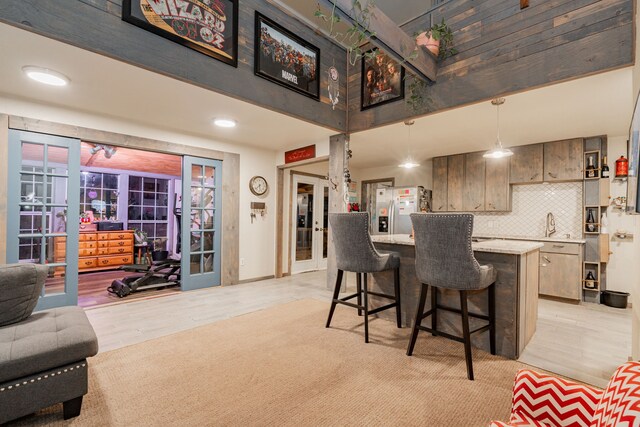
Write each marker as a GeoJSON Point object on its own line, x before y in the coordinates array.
{"type": "Point", "coordinates": [552, 175]}
{"type": "Point", "coordinates": [440, 208]}
{"type": "Point", "coordinates": [546, 259]}
{"type": "Point", "coordinates": [452, 207]}
{"type": "Point", "coordinates": [480, 205]}
{"type": "Point", "coordinates": [534, 176]}
{"type": "Point", "coordinates": [558, 246]}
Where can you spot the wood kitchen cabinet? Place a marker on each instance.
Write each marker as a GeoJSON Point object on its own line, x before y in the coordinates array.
{"type": "Point", "coordinates": [563, 160]}
{"type": "Point", "coordinates": [527, 164]}
{"type": "Point", "coordinates": [455, 182]}
{"type": "Point", "coordinates": [439, 193]}
{"type": "Point", "coordinates": [561, 270]}
{"type": "Point", "coordinates": [474, 183]}
{"type": "Point", "coordinates": [497, 191]}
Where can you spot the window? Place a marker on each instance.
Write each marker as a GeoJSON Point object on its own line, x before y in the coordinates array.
{"type": "Point", "coordinates": [149, 206]}
{"type": "Point", "coordinates": [99, 193]}
{"type": "Point", "coordinates": [32, 189]}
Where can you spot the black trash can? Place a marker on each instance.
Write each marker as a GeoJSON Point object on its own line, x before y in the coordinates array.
{"type": "Point", "coordinates": [615, 299]}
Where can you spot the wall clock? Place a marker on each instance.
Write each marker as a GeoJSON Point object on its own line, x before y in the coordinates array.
{"type": "Point", "coordinates": [258, 185]}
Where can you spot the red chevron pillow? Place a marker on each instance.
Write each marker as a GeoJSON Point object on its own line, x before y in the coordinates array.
{"type": "Point", "coordinates": [620, 403]}
{"type": "Point", "coordinates": [553, 401]}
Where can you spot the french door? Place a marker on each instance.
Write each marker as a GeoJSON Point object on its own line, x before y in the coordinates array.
{"type": "Point", "coordinates": [43, 214]}
{"type": "Point", "coordinates": [310, 223]}
{"type": "Point", "coordinates": [201, 223]}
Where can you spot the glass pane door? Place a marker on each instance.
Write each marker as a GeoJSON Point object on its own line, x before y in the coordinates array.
{"type": "Point", "coordinates": [201, 223]}
{"type": "Point", "coordinates": [310, 216]}
{"type": "Point", "coordinates": [43, 195]}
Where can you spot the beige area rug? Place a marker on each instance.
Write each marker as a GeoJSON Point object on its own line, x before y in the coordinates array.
{"type": "Point", "coordinates": [280, 366]}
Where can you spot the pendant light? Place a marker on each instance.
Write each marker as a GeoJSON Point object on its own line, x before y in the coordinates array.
{"type": "Point", "coordinates": [409, 163]}
{"type": "Point", "coordinates": [498, 151]}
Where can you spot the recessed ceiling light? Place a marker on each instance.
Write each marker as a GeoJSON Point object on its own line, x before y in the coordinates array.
{"type": "Point", "coordinates": [225, 123]}
{"type": "Point", "coordinates": [46, 76]}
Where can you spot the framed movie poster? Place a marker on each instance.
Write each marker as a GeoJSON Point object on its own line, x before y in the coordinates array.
{"type": "Point", "coordinates": [286, 59]}
{"type": "Point", "coordinates": [382, 80]}
{"type": "Point", "coordinates": [208, 26]}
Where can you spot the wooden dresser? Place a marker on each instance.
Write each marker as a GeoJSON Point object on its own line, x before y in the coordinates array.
{"type": "Point", "coordinates": [99, 250]}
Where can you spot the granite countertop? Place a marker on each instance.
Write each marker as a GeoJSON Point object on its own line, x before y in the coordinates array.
{"type": "Point", "coordinates": [512, 247]}
{"type": "Point", "coordinates": [538, 239]}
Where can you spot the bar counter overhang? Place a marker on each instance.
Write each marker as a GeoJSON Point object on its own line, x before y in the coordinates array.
{"type": "Point", "coordinates": [517, 264]}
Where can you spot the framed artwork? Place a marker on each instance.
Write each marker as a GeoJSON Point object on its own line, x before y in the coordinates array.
{"type": "Point", "coordinates": [210, 27]}
{"type": "Point", "coordinates": [286, 59]}
{"type": "Point", "coordinates": [382, 80]}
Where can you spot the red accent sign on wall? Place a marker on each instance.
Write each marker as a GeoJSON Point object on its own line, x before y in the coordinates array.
{"type": "Point", "coordinates": [299, 154]}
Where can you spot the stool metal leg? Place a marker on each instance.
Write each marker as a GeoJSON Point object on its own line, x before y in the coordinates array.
{"type": "Point", "coordinates": [336, 293]}
{"type": "Point", "coordinates": [366, 309]}
{"type": "Point", "coordinates": [396, 285]}
{"type": "Point", "coordinates": [492, 318]}
{"type": "Point", "coordinates": [434, 307]}
{"type": "Point", "coordinates": [418, 320]}
{"type": "Point", "coordinates": [466, 334]}
{"type": "Point", "coordinates": [359, 290]}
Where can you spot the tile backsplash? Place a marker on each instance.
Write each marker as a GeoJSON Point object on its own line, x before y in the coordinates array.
{"type": "Point", "coordinates": [530, 205]}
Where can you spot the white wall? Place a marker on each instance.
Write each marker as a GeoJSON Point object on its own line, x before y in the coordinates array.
{"type": "Point", "coordinates": [623, 269]}
{"type": "Point", "coordinates": [635, 297]}
{"type": "Point", "coordinates": [422, 175]}
{"type": "Point", "coordinates": [257, 240]}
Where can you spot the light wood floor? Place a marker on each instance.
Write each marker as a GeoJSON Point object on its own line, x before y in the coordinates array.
{"type": "Point", "coordinates": [585, 342]}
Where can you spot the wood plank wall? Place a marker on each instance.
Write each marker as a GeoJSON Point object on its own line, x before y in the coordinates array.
{"type": "Point", "coordinates": [96, 25]}
{"type": "Point", "coordinates": [503, 50]}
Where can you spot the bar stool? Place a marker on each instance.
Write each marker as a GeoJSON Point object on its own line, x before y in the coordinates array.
{"type": "Point", "coordinates": [444, 259]}
{"type": "Point", "coordinates": [355, 253]}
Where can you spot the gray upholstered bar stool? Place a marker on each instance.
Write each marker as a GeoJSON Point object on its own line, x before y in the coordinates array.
{"type": "Point", "coordinates": [355, 253]}
{"type": "Point", "coordinates": [444, 259]}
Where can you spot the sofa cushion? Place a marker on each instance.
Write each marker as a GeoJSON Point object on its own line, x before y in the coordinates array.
{"type": "Point", "coordinates": [20, 287]}
{"type": "Point", "coordinates": [47, 339]}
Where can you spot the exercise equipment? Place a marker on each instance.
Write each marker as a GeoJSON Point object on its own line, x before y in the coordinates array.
{"type": "Point", "coordinates": [158, 274]}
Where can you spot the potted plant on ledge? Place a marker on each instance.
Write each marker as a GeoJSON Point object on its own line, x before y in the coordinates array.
{"type": "Point", "coordinates": [438, 40]}
{"type": "Point", "coordinates": [160, 252]}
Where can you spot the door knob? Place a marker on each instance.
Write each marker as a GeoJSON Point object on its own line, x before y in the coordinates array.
{"type": "Point", "coordinates": [319, 229]}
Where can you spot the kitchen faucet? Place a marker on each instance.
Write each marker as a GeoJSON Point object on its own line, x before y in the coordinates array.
{"type": "Point", "coordinates": [550, 227]}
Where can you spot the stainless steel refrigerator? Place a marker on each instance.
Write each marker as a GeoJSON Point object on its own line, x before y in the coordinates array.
{"type": "Point", "coordinates": [393, 205]}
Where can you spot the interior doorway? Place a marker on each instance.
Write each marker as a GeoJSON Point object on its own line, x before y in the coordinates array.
{"type": "Point", "coordinates": [310, 223]}
{"type": "Point", "coordinates": [99, 214]}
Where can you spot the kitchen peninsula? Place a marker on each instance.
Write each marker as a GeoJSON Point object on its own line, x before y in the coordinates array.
{"type": "Point", "coordinates": [516, 290]}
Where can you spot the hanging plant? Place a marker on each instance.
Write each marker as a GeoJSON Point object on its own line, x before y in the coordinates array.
{"type": "Point", "coordinates": [359, 32]}
{"type": "Point", "coordinates": [438, 40]}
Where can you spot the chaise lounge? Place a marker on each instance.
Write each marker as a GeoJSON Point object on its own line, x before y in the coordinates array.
{"type": "Point", "coordinates": [42, 355]}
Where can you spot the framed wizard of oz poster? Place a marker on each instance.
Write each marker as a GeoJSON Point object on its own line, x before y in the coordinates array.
{"type": "Point", "coordinates": [286, 59]}
{"type": "Point", "coordinates": [208, 26]}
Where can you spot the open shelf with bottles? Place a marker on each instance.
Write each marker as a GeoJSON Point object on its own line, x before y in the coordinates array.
{"type": "Point", "coordinates": [591, 220]}
{"type": "Point", "coordinates": [591, 276]}
{"type": "Point", "coordinates": [592, 164]}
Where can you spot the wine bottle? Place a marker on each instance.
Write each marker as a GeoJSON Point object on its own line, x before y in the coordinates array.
{"type": "Point", "coordinates": [605, 168]}
{"type": "Point", "coordinates": [591, 222]}
{"type": "Point", "coordinates": [591, 169]}
{"type": "Point", "coordinates": [590, 281]}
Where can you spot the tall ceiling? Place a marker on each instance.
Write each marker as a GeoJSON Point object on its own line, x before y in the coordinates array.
{"type": "Point", "coordinates": [596, 105]}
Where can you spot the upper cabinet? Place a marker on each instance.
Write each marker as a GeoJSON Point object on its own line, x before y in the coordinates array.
{"type": "Point", "coordinates": [471, 183]}
{"type": "Point", "coordinates": [527, 164]}
{"type": "Point", "coordinates": [474, 185]}
{"type": "Point", "coordinates": [455, 182]}
{"type": "Point", "coordinates": [439, 202]}
{"type": "Point", "coordinates": [497, 190]}
{"type": "Point", "coordinates": [563, 160]}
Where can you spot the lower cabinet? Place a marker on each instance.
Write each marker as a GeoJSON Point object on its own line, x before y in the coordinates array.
{"type": "Point", "coordinates": [561, 270]}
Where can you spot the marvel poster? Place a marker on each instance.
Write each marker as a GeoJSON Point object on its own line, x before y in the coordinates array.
{"type": "Point", "coordinates": [382, 80]}
{"type": "Point", "coordinates": [286, 59]}
{"type": "Point", "coordinates": [208, 26]}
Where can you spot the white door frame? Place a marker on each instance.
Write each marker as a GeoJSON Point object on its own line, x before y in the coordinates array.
{"type": "Point", "coordinates": [317, 229]}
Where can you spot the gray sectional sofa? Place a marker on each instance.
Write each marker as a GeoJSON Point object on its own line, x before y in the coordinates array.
{"type": "Point", "coordinates": [42, 354]}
